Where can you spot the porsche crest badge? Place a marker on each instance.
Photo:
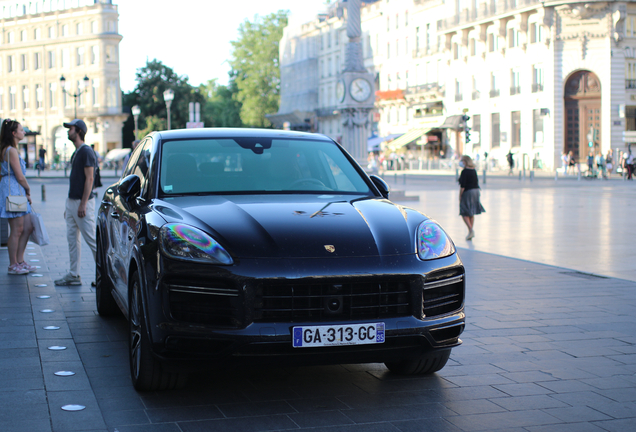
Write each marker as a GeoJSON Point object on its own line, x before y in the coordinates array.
{"type": "Point", "coordinates": [330, 248]}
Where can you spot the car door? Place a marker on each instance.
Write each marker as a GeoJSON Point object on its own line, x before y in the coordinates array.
{"type": "Point", "coordinates": [130, 216]}
{"type": "Point", "coordinates": [118, 227]}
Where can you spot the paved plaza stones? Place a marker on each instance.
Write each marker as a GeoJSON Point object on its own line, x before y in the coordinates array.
{"type": "Point", "coordinates": [548, 346]}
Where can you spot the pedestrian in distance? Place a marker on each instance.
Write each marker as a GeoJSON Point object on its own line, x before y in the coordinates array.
{"type": "Point", "coordinates": [571, 161]}
{"type": "Point", "coordinates": [565, 161]}
{"type": "Point", "coordinates": [41, 159]}
{"type": "Point", "coordinates": [511, 162]}
{"type": "Point", "coordinates": [79, 212]}
{"type": "Point", "coordinates": [609, 163]}
{"type": "Point", "coordinates": [628, 164]}
{"type": "Point", "coordinates": [469, 194]}
{"type": "Point", "coordinates": [600, 165]}
{"type": "Point", "coordinates": [14, 182]}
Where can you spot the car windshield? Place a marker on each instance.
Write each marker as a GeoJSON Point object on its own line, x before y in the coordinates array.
{"type": "Point", "coordinates": [252, 164]}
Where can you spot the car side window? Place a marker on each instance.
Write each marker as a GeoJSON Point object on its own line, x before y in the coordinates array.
{"type": "Point", "coordinates": [132, 161]}
{"type": "Point", "coordinates": [142, 165]}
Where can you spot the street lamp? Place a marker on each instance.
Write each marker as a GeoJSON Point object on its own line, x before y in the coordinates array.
{"type": "Point", "coordinates": [168, 96]}
{"type": "Point", "coordinates": [135, 112]}
{"type": "Point", "coordinates": [82, 86]}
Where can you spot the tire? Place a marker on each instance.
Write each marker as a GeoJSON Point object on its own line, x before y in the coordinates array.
{"type": "Point", "coordinates": [106, 305]}
{"type": "Point", "coordinates": [426, 364]}
{"type": "Point", "coordinates": [146, 371]}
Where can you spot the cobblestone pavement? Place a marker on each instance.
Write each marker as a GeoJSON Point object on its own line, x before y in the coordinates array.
{"type": "Point", "coordinates": [550, 341]}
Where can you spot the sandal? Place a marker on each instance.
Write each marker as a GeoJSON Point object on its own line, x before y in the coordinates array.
{"type": "Point", "coordinates": [16, 269]}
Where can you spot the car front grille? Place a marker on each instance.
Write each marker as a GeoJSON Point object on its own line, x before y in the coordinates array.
{"type": "Point", "coordinates": [443, 292]}
{"type": "Point", "coordinates": [327, 301]}
{"type": "Point", "coordinates": [204, 303]}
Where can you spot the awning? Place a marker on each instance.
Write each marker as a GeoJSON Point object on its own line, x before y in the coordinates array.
{"type": "Point", "coordinates": [374, 143]}
{"type": "Point", "coordinates": [452, 122]}
{"type": "Point", "coordinates": [409, 137]}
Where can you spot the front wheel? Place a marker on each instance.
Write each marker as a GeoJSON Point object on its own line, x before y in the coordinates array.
{"type": "Point", "coordinates": [426, 364]}
{"type": "Point", "coordinates": [146, 371]}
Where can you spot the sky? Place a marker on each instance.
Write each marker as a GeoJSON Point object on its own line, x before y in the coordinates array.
{"type": "Point", "coordinates": [191, 36]}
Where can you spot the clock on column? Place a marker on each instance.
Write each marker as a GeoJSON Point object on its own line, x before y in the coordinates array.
{"type": "Point", "coordinates": [360, 89]}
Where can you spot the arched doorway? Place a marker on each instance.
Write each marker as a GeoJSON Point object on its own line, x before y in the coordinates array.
{"type": "Point", "coordinates": [582, 115]}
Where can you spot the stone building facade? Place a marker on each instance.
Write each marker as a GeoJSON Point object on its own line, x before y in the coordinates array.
{"type": "Point", "coordinates": [41, 41]}
{"type": "Point", "coordinates": [536, 78]}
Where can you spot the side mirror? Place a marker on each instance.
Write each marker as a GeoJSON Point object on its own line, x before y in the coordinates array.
{"type": "Point", "coordinates": [129, 186]}
{"type": "Point", "coordinates": [381, 185]}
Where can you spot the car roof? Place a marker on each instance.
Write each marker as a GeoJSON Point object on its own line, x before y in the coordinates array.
{"type": "Point", "coordinates": [236, 132]}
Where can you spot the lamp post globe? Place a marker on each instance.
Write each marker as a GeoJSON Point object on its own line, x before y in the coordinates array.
{"type": "Point", "coordinates": [135, 112]}
{"type": "Point", "coordinates": [168, 96]}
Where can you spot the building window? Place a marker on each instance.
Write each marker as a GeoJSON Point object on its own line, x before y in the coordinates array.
{"type": "Point", "coordinates": [458, 91]}
{"type": "Point", "coordinates": [65, 30]}
{"type": "Point", "coordinates": [66, 58]}
{"type": "Point", "coordinates": [428, 37]}
{"type": "Point", "coordinates": [10, 63]}
{"type": "Point", "coordinates": [388, 50]}
{"type": "Point", "coordinates": [37, 61]}
{"type": "Point", "coordinates": [455, 51]}
{"type": "Point", "coordinates": [515, 120]}
{"type": "Point", "coordinates": [515, 86]}
{"type": "Point", "coordinates": [51, 32]}
{"type": "Point", "coordinates": [493, 42]}
{"type": "Point", "coordinates": [111, 93]}
{"type": "Point", "coordinates": [476, 129]}
{"type": "Point", "coordinates": [536, 33]}
{"type": "Point", "coordinates": [23, 36]}
{"type": "Point", "coordinates": [80, 56]}
{"type": "Point", "coordinates": [406, 19]}
{"type": "Point", "coordinates": [1, 99]}
{"type": "Point", "coordinates": [95, 91]}
{"type": "Point", "coordinates": [537, 126]}
{"type": "Point", "coordinates": [80, 97]}
{"type": "Point", "coordinates": [496, 132]}
{"type": "Point", "coordinates": [397, 21]}
{"type": "Point", "coordinates": [494, 89]}
{"type": "Point", "coordinates": [537, 78]}
{"type": "Point", "coordinates": [10, 37]}
{"type": "Point", "coordinates": [388, 23]}
{"type": "Point", "coordinates": [95, 54]}
{"type": "Point", "coordinates": [110, 54]}
{"type": "Point", "coordinates": [12, 92]}
{"type": "Point", "coordinates": [39, 96]}
{"type": "Point", "coordinates": [23, 62]}
{"type": "Point", "coordinates": [51, 56]}
{"type": "Point", "coordinates": [79, 29]}
{"type": "Point", "coordinates": [111, 26]}
{"type": "Point", "coordinates": [513, 38]}
{"type": "Point", "coordinates": [473, 47]}
{"type": "Point", "coordinates": [37, 34]}
{"type": "Point", "coordinates": [52, 95]}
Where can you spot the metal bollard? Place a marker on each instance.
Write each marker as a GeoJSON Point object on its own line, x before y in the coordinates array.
{"type": "Point", "coordinates": [519, 175]}
{"type": "Point", "coordinates": [484, 177]}
{"type": "Point", "coordinates": [556, 175]}
{"type": "Point", "coordinates": [531, 175]}
{"type": "Point", "coordinates": [456, 174]}
{"type": "Point", "coordinates": [43, 192]}
{"type": "Point", "coordinates": [404, 179]}
{"type": "Point", "coordinates": [579, 176]}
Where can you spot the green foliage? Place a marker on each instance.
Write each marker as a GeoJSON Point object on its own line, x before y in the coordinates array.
{"type": "Point", "coordinates": [256, 67]}
{"type": "Point", "coordinates": [152, 80]}
{"type": "Point", "coordinates": [221, 109]}
{"type": "Point", "coordinates": [153, 123]}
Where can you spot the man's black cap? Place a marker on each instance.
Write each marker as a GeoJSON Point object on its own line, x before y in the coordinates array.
{"type": "Point", "coordinates": [79, 124]}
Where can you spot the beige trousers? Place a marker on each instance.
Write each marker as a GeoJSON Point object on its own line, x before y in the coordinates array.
{"type": "Point", "coordinates": [76, 225]}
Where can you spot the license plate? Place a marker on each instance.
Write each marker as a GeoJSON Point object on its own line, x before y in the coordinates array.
{"type": "Point", "coordinates": [334, 335]}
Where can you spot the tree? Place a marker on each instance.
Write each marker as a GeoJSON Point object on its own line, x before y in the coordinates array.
{"type": "Point", "coordinates": [152, 80]}
{"type": "Point", "coordinates": [221, 109]}
{"type": "Point", "coordinates": [255, 67]}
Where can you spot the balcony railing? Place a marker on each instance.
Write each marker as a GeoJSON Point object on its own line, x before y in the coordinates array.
{"type": "Point", "coordinates": [476, 94]}
{"type": "Point", "coordinates": [515, 90]}
{"type": "Point", "coordinates": [537, 88]}
{"type": "Point", "coordinates": [494, 93]}
{"type": "Point", "coordinates": [459, 97]}
{"type": "Point", "coordinates": [630, 84]}
{"type": "Point", "coordinates": [486, 10]}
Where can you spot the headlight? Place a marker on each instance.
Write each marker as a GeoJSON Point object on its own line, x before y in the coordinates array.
{"type": "Point", "coordinates": [432, 241]}
{"type": "Point", "coordinates": [188, 243]}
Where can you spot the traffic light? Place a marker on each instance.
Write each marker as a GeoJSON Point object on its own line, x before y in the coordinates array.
{"type": "Point", "coordinates": [465, 119]}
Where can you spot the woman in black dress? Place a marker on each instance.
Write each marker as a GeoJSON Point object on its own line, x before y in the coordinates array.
{"type": "Point", "coordinates": [469, 204]}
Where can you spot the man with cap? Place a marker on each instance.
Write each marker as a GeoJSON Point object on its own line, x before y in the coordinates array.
{"type": "Point", "coordinates": [79, 212]}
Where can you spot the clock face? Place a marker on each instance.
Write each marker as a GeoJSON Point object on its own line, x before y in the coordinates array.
{"type": "Point", "coordinates": [340, 91]}
{"type": "Point", "coordinates": [360, 89]}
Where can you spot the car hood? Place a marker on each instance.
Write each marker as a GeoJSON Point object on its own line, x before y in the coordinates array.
{"type": "Point", "coordinates": [299, 226]}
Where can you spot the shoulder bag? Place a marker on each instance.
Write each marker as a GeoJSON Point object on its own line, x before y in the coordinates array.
{"type": "Point", "coordinates": [15, 203]}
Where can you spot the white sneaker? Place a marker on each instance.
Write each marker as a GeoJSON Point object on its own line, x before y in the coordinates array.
{"type": "Point", "coordinates": [470, 235]}
{"type": "Point", "coordinates": [69, 279]}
